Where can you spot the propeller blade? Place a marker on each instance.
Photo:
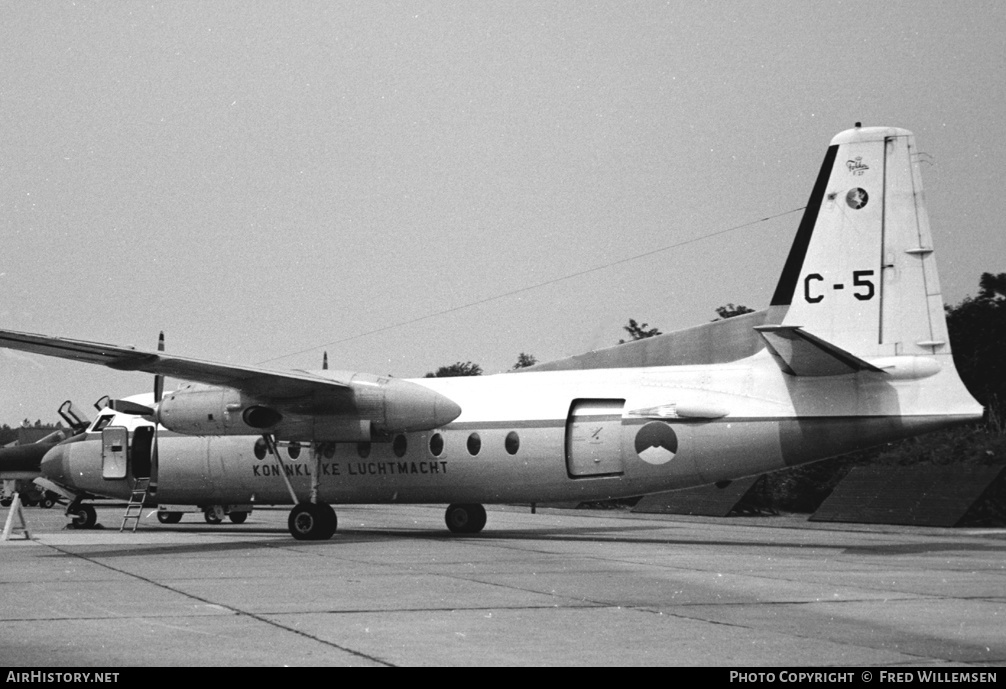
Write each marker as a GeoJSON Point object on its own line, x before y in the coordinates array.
{"type": "Point", "coordinates": [159, 379]}
{"type": "Point", "coordinates": [127, 407]}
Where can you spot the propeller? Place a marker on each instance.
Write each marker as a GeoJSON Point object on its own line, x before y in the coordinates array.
{"type": "Point", "coordinates": [143, 443]}
{"type": "Point", "coordinates": [133, 408]}
{"type": "Point", "coordinates": [159, 378]}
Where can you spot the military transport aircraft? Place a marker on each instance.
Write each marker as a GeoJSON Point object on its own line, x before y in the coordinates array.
{"type": "Point", "coordinates": [852, 352]}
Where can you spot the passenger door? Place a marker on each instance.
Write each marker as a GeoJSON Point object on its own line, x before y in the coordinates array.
{"type": "Point", "coordinates": [114, 452]}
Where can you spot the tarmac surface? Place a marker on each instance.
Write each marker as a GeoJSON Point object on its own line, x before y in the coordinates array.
{"type": "Point", "coordinates": [560, 587]}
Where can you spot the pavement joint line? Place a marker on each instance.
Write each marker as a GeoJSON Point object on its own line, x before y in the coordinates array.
{"type": "Point", "coordinates": [929, 658]}
{"type": "Point", "coordinates": [426, 570]}
{"type": "Point", "coordinates": [235, 611]}
{"type": "Point", "coordinates": [608, 560]}
{"type": "Point", "coordinates": [478, 608]}
{"type": "Point", "coordinates": [792, 635]}
{"type": "Point", "coordinates": [100, 618]}
{"type": "Point", "coordinates": [583, 603]}
{"type": "Point", "coordinates": [594, 604]}
{"type": "Point", "coordinates": [508, 545]}
{"type": "Point", "coordinates": [280, 613]}
{"type": "Point", "coordinates": [591, 604]}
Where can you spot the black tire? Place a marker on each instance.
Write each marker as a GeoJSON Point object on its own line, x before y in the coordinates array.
{"type": "Point", "coordinates": [467, 519]}
{"type": "Point", "coordinates": [210, 515]}
{"type": "Point", "coordinates": [238, 517]}
{"type": "Point", "coordinates": [311, 522]}
{"type": "Point", "coordinates": [83, 516]}
{"type": "Point", "coordinates": [47, 502]}
{"type": "Point", "coordinates": [169, 517]}
{"type": "Point", "coordinates": [331, 522]}
{"type": "Point", "coordinates": [6, 502]}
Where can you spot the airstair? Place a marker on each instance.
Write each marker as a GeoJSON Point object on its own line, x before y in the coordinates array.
{"type": "Point", "coordinates": [134, 510]}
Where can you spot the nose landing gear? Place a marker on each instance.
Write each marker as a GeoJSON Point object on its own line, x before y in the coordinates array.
{"type": "Point", "coordinates": [82, 516]}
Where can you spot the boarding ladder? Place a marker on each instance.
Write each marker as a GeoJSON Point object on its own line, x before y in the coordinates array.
{"type": "Point", "coordinates": [134, 509]}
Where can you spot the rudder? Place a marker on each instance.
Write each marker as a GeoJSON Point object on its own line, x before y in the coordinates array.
{"type": "Point", "coordinates": [861, 273]}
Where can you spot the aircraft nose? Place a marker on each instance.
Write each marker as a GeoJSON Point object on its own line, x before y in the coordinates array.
{"type": "Point", "coordinates": [22, 457]}
{"type": "Point", "coordinates": [55, 465]}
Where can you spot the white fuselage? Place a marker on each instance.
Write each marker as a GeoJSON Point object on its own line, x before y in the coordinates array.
{"type": "Point", "coordinates": [561, 436]}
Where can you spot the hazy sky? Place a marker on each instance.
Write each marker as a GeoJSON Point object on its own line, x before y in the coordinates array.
{"type": "Point", "coordinates": [267, 180]}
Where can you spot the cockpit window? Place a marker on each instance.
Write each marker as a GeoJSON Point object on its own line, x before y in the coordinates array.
{"type": "Point", "coordinates": [102, 422]}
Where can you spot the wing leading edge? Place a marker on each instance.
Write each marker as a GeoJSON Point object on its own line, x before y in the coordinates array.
{"type": "Point", "coordinates": [259, 382]}
{"type": "Point", "coordinates": [237, 400]}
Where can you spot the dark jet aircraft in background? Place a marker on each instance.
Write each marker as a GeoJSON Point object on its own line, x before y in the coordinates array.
{"type": "Point", "coordinates": [20, 465]}
{"type": "Point", "coordinates": [852, 352]}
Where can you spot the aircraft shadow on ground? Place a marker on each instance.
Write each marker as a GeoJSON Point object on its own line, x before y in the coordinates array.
{"type": "Point", "coordinates": [925, 548]}
{"type": "Point", "coordinates": [599, 535]}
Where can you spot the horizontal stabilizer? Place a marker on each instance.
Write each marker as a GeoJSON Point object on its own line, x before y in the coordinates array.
{"type": "Point", "coordinates": [799, 353]}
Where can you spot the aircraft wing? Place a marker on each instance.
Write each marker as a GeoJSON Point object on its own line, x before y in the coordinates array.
{"type": "Point", "coordinates": [260, 382]}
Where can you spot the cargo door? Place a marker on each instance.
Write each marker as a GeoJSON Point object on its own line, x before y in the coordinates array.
{"type": "Point", "coordinates": [114, 452]}
{"type": "Point", "coordinates": [593, 438]}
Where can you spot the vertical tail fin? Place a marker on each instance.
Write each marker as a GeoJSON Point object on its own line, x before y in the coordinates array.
{"type": "Point", "coordinates": [861, 273]}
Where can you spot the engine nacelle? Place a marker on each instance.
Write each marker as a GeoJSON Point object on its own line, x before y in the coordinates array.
{"type": "Point", "coordinates": [204, 410]}
{"type": "Point", "coordinates": [367, 405]}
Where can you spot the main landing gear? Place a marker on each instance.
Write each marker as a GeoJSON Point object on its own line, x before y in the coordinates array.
{"type": "Point", "coordinates": [312, 521]}
{"type": "Point", "coordinates": [316, 521]}
{"type": "Point", "coordinates": [465, 519]}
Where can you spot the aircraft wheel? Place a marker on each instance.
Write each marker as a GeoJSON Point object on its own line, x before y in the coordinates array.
{"type": "Point", "coordinates": [238, 517]}
{"type": "Point", "coordinates": [169, 517]}
{"type": "Point", "coordinates": [311, 522]}
{"type": "Point", "coordinates": [47, 502]}
{"type": "Point", "coordinates": [331, 522]}
{"type": "Point", "coordinates": [83, 516]}
{"type": "Point", "coordinates": [465, 518]}
{"type": "Point", "coordinates": [213, 514]}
